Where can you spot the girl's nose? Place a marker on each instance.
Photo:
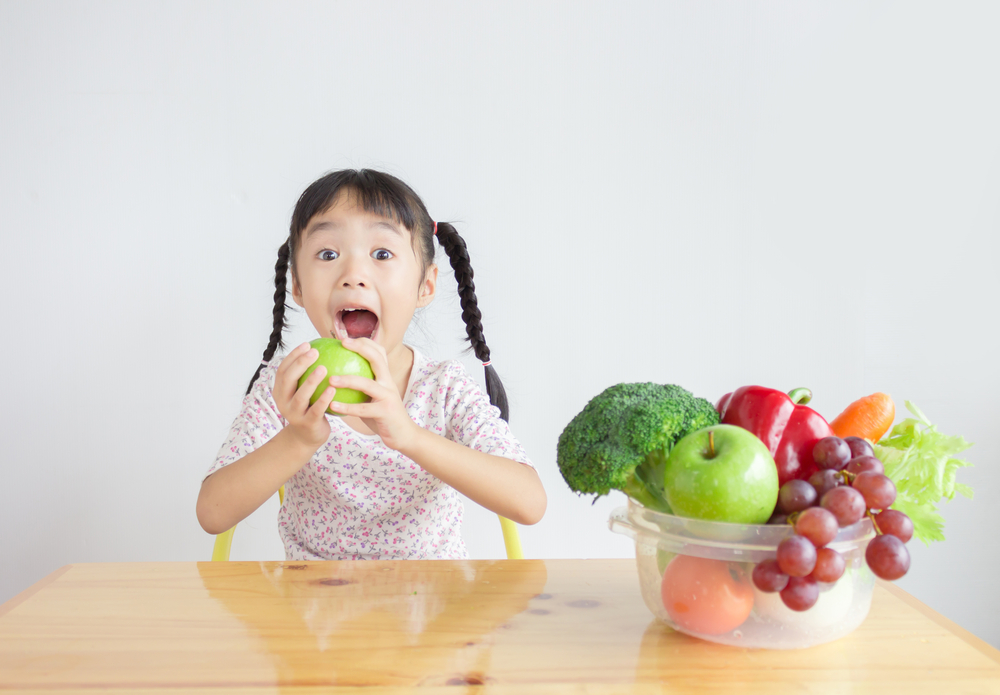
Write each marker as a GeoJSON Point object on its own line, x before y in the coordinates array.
{"type": "Point", "coordinates": [355, 273]}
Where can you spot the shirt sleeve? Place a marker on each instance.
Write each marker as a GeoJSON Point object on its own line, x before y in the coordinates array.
{"type": "Point", "coordinates": [258, 421]}
{"type": "Point", "coordinates": [475, 422]}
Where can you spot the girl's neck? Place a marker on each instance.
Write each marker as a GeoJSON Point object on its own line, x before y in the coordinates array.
{"type": "Point", "coordinates": [400, 366]}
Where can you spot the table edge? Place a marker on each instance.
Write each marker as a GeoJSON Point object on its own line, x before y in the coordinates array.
{"type": "Point", "coordinates": [912, 601]}
{"type": "Point", "coordinates": [20, 598]}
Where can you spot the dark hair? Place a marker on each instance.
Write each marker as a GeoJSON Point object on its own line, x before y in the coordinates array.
{"type": "Point", "coordinates": [385, 195]}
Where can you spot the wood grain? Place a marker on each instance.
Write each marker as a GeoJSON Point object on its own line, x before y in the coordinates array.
{"type": "Point", "coordinates": [507, 626]}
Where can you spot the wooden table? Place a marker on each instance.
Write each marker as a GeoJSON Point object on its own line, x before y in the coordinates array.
{"type": "Point", "coordinates": [507, 626]}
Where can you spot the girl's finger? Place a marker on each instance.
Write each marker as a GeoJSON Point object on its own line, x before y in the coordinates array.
{"type": "Point", "coordinates": [374, 353]}
{"type": "Point", "coordinates": [292, 368]}
{"type": "Point", "coordinates": [300, 401]}
{"type": "Point", "coordinates": [366, 386]}
{"type": "Point", "coordinates": [317, 410]}
{"type": "Point", "coordinates": [356, 409]}
{"type": "Point", "coordinates": [293, 355]}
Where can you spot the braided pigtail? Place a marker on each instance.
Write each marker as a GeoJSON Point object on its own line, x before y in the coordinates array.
{"type": "Point", "coordinates": [278, 313]}
{"type": "Point", "coordinates": [458, 254]}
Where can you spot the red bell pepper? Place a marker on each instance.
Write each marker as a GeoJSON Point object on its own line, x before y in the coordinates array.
{"type": "Point", "coordinates": [787, 427]}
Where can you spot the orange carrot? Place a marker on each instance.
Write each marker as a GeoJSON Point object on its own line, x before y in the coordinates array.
{"type": "Point", "coordinates": [869, 417]}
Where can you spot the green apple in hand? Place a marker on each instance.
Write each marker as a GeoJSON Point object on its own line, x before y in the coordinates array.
{"type": "Point", "coordinates": [339, 361]}
{"type": "Point", "coordinates": [722, 473]}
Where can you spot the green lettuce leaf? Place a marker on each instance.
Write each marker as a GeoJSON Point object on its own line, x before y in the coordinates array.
{"type": "Point", "coordinates": [921, 462]}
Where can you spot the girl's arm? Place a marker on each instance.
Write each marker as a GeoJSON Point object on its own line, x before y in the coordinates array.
{"type": "Point", "coordinates": [502, 485]}
{"type": "Point", "coordinates": [233, 492]}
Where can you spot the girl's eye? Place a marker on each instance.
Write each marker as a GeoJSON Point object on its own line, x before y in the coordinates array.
{"type": "Point", "coordinates": [381, 254]}
{"type": "Point", "coordinates": [327, 255]}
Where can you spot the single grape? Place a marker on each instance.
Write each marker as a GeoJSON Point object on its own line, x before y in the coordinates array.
{"type": "Point", "coordinates": [796, 495]}
{"type": "Point", "coordinates": [845, 503]}
{"type": "Point", "coordinates": [879, 492]}
{"type": "Point", "coordinates": [818, 525]}
{"type": "Point", "coordinates": [829, 565]}
{"type": "Point", "coordinates": [801, 593]}
{"type": "Point", "coordinates": [768, 577]}
{"type": "Point", "coordinates": [796, 556]}
{"type": "Point", "coordinates": [859, 447]}
{"type": "Point", "coordinates": [831, 453]}
{"type": "Point", "coordinates": [824, 481]}
{"type": "Point", "coordinates": [777, 519]}
{"type": "Point", "coordinates": [895, 523]}
{"type": "Point", "coordinates": [864, 464]}
{"type": "Point", "coordinates": [887, 557]}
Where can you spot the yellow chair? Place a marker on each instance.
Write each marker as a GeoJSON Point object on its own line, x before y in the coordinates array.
{"type": "Point", "coordinates": [511, 538]}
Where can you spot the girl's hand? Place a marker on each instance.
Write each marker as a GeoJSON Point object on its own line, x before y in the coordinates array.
{"type": "Point", "coordinates": [306, 424]}
{"type": "Point", "coordinates": [384, 414]}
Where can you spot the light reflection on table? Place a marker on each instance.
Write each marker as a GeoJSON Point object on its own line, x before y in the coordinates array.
{"type": "Point", "coordinates": [364, 617]}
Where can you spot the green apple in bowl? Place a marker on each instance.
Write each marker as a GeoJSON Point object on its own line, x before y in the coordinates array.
{"type": "Point", "coordinates": [722, 473]}
{"type": "Point", "coordinates": [339, 361]}
{"type": "Point", "coordinates": [663, 558]}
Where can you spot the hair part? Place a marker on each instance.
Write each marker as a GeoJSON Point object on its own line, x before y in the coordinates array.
{"type": "Point", "coordinates": [387, 196]}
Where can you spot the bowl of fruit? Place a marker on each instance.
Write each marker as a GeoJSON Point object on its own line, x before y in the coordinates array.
{"type": "Point", "coordinates": [732, 591]}
{"type": "Point", "coordinates": [756, 522]}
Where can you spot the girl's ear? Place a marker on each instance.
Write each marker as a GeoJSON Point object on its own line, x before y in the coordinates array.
{"type": "Point", "coordinates": [296, 292]}
{"type": "Point", "coordinates": [429, 286]}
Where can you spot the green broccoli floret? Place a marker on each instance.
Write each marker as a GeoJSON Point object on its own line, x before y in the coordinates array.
{"type": "Point", "coordinates": [621, 439]}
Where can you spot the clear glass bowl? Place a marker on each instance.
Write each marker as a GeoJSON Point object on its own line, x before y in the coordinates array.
{"type": "Point", "coordinates": [718, 594]}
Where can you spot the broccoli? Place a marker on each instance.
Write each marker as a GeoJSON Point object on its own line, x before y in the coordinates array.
{"type": "Point", "coordinates": [621, 439]}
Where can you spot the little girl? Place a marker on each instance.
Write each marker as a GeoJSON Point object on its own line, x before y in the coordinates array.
{"type": "Point", "coordinates": [382, 480]}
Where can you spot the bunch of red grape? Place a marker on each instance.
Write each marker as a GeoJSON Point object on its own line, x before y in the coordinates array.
{"type": "Point", "coordinates": [849, 485]}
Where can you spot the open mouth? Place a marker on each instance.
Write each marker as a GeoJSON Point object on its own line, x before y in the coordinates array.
{"type": "Point", "coordinates": [356, 322]}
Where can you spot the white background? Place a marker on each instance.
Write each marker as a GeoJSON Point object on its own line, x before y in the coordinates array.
{"type": "Point", "coordinates": [704, 193]}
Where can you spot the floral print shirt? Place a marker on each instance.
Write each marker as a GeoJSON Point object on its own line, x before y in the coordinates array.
{"type": "Point", "coordinates": [357, 498]}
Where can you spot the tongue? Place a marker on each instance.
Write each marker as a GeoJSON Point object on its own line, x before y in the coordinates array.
{"type": "Point", "coordinates": [360, 323]}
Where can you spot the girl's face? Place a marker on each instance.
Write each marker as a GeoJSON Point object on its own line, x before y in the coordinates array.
{"type": "Point", "coordinates": [357, 275]}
